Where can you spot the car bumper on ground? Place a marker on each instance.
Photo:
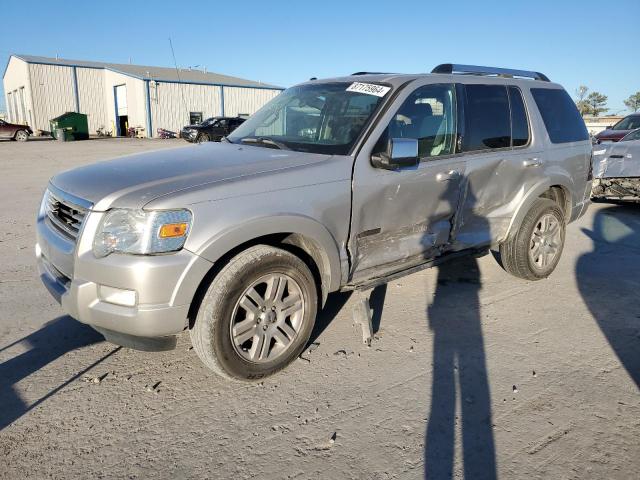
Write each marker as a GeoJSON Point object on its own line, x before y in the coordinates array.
{"type": "Point", "coordinates": [142, 296]}
{"type": "Point", "coordinates": [616, 188]}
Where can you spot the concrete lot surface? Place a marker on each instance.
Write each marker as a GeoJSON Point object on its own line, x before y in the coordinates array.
{"type": "Point", "coordinates": [472, 373]}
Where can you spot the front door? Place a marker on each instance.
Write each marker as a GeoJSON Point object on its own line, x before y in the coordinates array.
{"type": "Point", "coordinates": [403, 217]}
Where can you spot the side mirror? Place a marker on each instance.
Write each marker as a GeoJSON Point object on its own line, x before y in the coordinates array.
{"type": "Point", "coordinates": [608, 127]}
{"type": "Point", "coordinates": [400, 152]}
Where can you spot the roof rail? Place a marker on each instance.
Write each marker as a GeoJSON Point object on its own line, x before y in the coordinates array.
{"type": "Point", "coordinates": [369, 73]}
{"type": "Point", "coordinates": [477, 70]}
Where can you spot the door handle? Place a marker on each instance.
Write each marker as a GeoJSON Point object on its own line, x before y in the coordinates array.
{"type": "Point", "coordinates": [446, 176]}
{"type": "Point", "coordinates": [532, 162]}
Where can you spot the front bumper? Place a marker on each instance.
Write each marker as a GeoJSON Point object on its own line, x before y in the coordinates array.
{"type": "Point", "coordinates": [188, 135]}
{"type": "Point", "coordinates": [164, 285]}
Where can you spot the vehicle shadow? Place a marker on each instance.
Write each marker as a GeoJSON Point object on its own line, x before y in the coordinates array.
{"type": "Point", "coordinates": [53, 340]}
{"type": "Point", "coordinates": [335, 302]}
{"type": "Point", "coordinates": [608, 281]}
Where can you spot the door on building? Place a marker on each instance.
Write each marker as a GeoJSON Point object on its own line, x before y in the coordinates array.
{"type": "Point", "coordinates": [122, 112]}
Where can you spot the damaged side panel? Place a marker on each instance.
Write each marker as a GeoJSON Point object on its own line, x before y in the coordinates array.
{"type": "Point", "coordinates": [617, 172]}
{"type": "Point", "coordinates": [400, 218]}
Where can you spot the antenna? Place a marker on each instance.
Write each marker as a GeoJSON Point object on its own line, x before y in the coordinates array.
{"type": "Point", "coordinates": [184, 104]}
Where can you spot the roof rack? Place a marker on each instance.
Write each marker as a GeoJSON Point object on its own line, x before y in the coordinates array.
{"type": "Point", "coordinates": [477, 70]}
{"type": "Point", "coordinates": [369, 73]}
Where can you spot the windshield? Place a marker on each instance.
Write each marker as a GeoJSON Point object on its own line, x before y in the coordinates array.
{"type": "Point", "coordinates": [635, 135]}
{"type": "Point", "coordinates": [318, 118]}
{"type": "Point", "coordinates": [630, 123]}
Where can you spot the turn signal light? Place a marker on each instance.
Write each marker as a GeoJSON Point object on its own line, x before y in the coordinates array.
{"type": "Point", "coordinates": [172, 230]}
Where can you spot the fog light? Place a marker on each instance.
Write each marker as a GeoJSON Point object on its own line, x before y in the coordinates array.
{"type": "Point", "coordinates": [38, 250]}
{"type": "Point", "coordinates": [117, 296]}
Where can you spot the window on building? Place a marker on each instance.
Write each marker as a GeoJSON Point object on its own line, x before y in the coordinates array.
{"type": "Point", "coordinates": [487, 118]}
{"type": "Point", "coordinates": [560, 115]}
{"type": "Point", "coordinates": [195, 118]}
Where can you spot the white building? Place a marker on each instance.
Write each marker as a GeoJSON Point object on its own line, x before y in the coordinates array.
{"type": "Point", "coordinates": [117, 96]}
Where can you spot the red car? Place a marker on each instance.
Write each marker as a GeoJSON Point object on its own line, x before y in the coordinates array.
{"type": "Point", "coordinates": [620, 129]}
{"type": "Point", "coordinates": [15, 132]}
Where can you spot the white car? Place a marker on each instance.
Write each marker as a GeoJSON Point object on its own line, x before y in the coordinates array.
{"type": "Point", "coordinates": [616, 169]}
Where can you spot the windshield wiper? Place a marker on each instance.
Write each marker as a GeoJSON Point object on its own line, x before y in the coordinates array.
{"type": "Point", "coordinates": [268, 142]}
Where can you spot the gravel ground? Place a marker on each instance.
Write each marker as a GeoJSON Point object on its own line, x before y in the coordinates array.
{"type": "Point", "coordinates": [472, 373]}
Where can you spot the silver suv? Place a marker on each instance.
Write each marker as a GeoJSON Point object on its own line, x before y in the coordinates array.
{"type": "Point", "coordinates": [338, 184]}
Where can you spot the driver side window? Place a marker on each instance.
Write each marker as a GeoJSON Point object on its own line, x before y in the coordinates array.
{"type": "Point", "coordinates": [428, 115]}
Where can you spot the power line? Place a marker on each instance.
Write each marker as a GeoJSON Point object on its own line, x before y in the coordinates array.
{"type": "Point", "coordinates": [180, 85]}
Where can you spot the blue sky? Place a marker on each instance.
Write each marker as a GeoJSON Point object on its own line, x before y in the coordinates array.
{"type": "Point", "coordinates": [573, 42]}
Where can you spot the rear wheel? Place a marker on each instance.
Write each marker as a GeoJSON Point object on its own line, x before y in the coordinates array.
{"type": "Point", "coordinates": [21, 136]}
{"type": "Point", "coordinates": [257, 314]}
{"type": "Point", "coordinates": [202, 137]}
{"type": "Point", "coordinates": [535, 250]}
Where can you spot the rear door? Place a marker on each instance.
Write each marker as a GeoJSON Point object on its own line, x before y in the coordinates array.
{"type": "Point", "coordinates": [403, 217]}
{"type": "Point", "coordinates": [503, 161]}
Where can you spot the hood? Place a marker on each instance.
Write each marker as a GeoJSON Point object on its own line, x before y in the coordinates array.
{"type": "Point", "coordinates": [135, 180]}
{"type": "Point", "coordinates": [612, 134]}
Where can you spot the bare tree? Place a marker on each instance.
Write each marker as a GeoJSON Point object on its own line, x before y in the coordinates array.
{"type": "Point", "coordinates": [597, 103]}
{"type": "Point", "coordinates": [633, 102]}
{"type": "Point", "coordinates": [581, 103]}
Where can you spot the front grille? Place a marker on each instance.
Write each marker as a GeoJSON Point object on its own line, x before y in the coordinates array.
{"type": "Point", "coordinates": [64, 216]}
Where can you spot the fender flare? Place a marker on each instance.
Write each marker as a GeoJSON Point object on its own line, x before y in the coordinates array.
{"type": "Point", "coordinates": [533, 194]}
{"type": "Point", "coordinates": [310, 234]}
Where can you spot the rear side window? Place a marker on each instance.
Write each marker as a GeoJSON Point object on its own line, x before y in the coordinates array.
{"type": "Point", "coordinates": [560, 115]}
{"type": "Point", "coordinates": [519, 123]}
{"type": "Point", "coordinates": [487, 118]}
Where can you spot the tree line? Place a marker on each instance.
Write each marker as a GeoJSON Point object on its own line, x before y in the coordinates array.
{"type": "Point", "coordinates": [595, 103]}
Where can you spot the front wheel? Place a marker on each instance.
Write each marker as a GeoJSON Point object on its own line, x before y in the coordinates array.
{"type": "Point", "coordinates": [21, 136]}
{"type": "Point", "coordinates": [535, 250]}
{"type": "Point", "coordinates": [257, 314]}
{"type": "Point", "coordinates": [202, 137]}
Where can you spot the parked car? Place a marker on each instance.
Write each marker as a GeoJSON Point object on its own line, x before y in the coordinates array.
{"type": "Point", "coordinates": [211, 130]}
{"type": "Point", "coordinates": [617, 169]}
{"type": "Point", "coordinates": [15, 131]}
{"type": "Point", "coordinates": [619, 130]}
{"type": "Point", "coordinates": [338, 184]}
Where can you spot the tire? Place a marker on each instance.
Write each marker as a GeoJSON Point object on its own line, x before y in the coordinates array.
{"type": "Point", "coordinates": [21, 136]}
{"type": "Point", "coordinates": [202, 137]}
{"type": "Point", "coordinates": [534, 258]}
{"type": "Point", "coordinates": [255, 349]}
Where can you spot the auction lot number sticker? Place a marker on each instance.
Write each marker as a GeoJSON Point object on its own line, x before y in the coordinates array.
{"type": "Point", "coordinates": [369, 88]}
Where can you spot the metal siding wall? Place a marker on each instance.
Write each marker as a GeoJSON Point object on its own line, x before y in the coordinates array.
{"type": "Point", "coordinates": [168, 110]}
{"type": "Point", "coordinates": [16, 77]}
{"type": "Point", "coordinates": [91, 87]}
{"type": "Point", "coordinates": [52, 93]}
{"type": "Point", "coordinates": [239, 100]}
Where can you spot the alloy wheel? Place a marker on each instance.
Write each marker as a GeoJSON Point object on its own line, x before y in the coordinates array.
{"type": "Point", "coordinates": [267, 318]}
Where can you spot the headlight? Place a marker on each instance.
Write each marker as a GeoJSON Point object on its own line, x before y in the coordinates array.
{"type": "Point", "coordinates": [140, 232]}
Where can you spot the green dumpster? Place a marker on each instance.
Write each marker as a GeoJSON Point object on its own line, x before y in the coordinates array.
{"type": "Point", "coordinates": [74, 124]}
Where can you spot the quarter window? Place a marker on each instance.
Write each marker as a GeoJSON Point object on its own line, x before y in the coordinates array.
{"type": "Point", "coordinates": [487, 118]}
{"type": "Point", "coordinates": [519, 123]}
{"type": "Point", "coordinates": [560, 115]}
{"type": "Point", "coordinates": [428, 115]}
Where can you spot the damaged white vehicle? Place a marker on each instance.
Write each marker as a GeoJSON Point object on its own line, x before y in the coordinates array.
{"type": "Point", "coordinates": [616, 170]}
